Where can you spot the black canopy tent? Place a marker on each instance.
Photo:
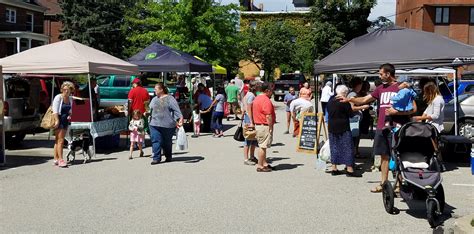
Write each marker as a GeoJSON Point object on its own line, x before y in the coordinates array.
{"type": "Point", "coordinates": [407, 49]}
{"type": "Point", "coordinates": [160, 58]}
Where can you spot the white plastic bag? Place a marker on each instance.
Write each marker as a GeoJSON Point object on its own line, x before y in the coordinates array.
{"type": "Point", "coordinates": [181, 140]}
{"type": "Point", "coordinates": [325, 152]}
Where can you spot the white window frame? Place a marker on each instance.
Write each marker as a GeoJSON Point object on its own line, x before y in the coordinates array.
{"type": "Point", "coordinates": [32, 27]}
{"type": "Point", "coordinates": [9, 15]}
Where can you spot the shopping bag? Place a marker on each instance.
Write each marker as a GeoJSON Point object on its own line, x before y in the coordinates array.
{"type": "Point", "coordinates": [48, 120]}
{"type": "Point", "coordinates": [239, 133]}
{"type": "Point", "coordinates": [226, 109]}
{"type": "Point", "coordinates": [325, 152]}
{"type": "Point", "coordinates": [354, 125]}
{"type": "Point", "coordinates": [250, 133]}
{"type": "Point", "coordinates": [181, 140]}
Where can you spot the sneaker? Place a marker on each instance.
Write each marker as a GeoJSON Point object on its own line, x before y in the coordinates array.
{"type": "Point", "coordinates": [55, 162]}
{"type": "Point", "coordinates": [154, 162]}
{"type": "Point", "coordinates": [62, 163]}
{"type": "Point", "coordinates": [249, 162]}
{"type": "Point", "coordinates": [286, 132]}
{"type": "Point", "coordinates": [253, 159]}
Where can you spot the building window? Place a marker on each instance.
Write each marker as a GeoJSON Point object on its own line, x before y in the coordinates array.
{"type": "Point", "coordinates": [30, 22]}
{"type": "Point", "coordinates": [253, 24]}
{"type": "Point", "coordinates": [471, 20]}
{"type": "Point", "coordinates": [442, 15]}
{"type": "Point", "coordinates": [10, 15]}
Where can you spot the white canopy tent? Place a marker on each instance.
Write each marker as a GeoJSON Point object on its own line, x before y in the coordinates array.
{"type": "Point", "coordinates": [66, 57]}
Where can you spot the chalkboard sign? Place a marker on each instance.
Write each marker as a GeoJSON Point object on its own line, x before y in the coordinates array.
{"type": "Point", "coordinates": [307, 138]}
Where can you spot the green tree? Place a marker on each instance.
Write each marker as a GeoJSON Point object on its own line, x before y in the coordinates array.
{"type": "Point", "coordinates": [199, 27]}
{"type": "Point", "coordinates": [271, 45]}
{"type": "Point", "coordinates": [94, 23]}
{"type": "Point", "coordinates": [337, 22]}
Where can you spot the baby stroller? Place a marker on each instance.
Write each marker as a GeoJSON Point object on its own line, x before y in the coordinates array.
{"type": "Point", "coordinates": [80, 143]}
{"type": "Point", "coordinates": [417, 170]}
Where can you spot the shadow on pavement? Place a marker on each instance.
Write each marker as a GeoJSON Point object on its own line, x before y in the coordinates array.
{"type": "Point", "coordinates": [452, 166]}
{"type": "Point", "coordinates": [189, 159]}
{"type": "Point", "coordinates": [278, 144]}
{"type": "Point", "coordinates": [274, 159]}
{"type": "Point", "coordinates": [283, 167]}
{"type": "Point", "coordinates": [417, 209]}
{"type": "Point", "coordinates": [30, 144]}
{"type": "Point", "coordinates": [14, 161]}
{"type": "Point", "coordinates": [80, 161]}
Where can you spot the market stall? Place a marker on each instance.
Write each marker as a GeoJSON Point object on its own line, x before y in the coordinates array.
{"type": "Point", "coordinates": [406, 49]}
{"type": "Point", "coordinates": [72, 58]}
{"type": "Point", "coordinates": [160, 58]}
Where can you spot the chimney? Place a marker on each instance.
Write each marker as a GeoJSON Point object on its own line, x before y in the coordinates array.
{"type": "Point", "coordinates": [260, 6]}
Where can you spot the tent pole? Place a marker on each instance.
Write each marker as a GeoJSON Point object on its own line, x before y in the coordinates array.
{"type": "Point", "coordinates": [52, 98]}
{"type": "Point", "coordinates": [456, 101]}
{"type": "Point", "coordinates": [90, 102]}
{"type": "Point", "coordinates": [316, 85]}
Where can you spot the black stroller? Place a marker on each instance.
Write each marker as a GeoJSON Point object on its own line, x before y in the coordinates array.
{"type": "Point", "coordinates": [417, 170]}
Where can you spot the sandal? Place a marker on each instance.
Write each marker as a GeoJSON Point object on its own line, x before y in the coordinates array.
{"type": "Point", "coordinates": [264, 169]}
{"type": "Point", "coordinates": [377, 189]}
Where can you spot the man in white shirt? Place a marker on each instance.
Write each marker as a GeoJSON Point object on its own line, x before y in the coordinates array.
{"type": "Point", "coordinates": [326, 95]}
{"type": "Point", "coordinates": [297, 107]}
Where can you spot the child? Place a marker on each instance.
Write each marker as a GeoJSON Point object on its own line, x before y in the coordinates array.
{"type": "Point", "coordinates": [403, 101]}
{"type": "Point", "coordinates": [196, 117]}
{"type": "Point", "coordinates": [137, 132]}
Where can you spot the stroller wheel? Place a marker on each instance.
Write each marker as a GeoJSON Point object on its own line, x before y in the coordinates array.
{"type": "Point", "coordinates": [432, 213]}
{"type": "Point", "coordinates": [388, 196]}
{"type": "Point", "coordinates": [440, 197]}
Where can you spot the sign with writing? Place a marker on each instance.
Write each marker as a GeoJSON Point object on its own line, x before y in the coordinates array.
{"type": "Point", "coordinates": [308, 131]}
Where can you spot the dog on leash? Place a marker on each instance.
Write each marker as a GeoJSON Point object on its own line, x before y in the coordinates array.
{"type": "Point", "coordinates": [79, 144]}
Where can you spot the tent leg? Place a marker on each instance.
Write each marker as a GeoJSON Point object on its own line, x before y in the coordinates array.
{"type": "Point", "coordinates": [456, 101]}
{"type": "Point", "coordinates": [316, 85]}
{"type": "Point", "coordinates": [52, 98]}
{"type": "Point", "coordinates": [90, 97]}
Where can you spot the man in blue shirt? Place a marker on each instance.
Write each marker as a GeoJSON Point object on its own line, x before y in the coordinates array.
{"type": "Point", "coordinates": [289, 97]}
{"type": "Point", "coordinates": [204, 102]}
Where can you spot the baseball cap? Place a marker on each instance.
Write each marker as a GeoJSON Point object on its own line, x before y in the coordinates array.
{"type": "Point", "coordinates": [136, 81]}
{"type": "Point", "coordinates": [403, 79]}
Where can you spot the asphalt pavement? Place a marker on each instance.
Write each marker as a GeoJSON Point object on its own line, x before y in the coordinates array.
{"type": "Point", "coordinates": [207, 189]}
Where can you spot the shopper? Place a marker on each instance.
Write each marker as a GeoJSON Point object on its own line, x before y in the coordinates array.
{"type": "Point", "coordinates": [289, 97]}
{"type": "Point", "coordinates": [247, 103]}
{"type": "Point", "coordinates": [326, 94]}
{"type": "Point", "coordinates": [340, 137]}
{"type": "Point", "coordinates": [434, 113]}
{"type": "Point", "coordinates": [232, 92]}
{"type": "Point", "coordinates": [218, 113]}
{"type": "Point", "coordinates": [165, 117]}
{"type": "Point", "coordinates": [62, 110]}
{"type": "Point", "coordinates": [137, 132]}
{"type": "Point", "coordinates": [264, 119]}
{"type": "Point", "coordinates": [204, 101]}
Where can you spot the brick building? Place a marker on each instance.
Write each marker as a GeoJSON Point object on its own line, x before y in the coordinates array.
{"type": "Point", "coordinates": [52, 25]}
{"type": "Point", "coordinates": [451, 18]}
{"type": "Point", "coordinates": [21, 26]}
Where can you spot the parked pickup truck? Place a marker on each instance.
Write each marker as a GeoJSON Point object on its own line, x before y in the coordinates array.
{"type": "Point", "coordinates": [113, 89]}
{"type": "Point", "coordinates": [286, 81]}
{"type": "Point", "coordinates": [20, 107]}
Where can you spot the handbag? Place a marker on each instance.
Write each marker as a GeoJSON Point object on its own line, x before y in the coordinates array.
{"type": "Point", "coordinates": [325, 152]}
{"type": "Point", "coordinates": [226, 109]}
{"type": "Point", "coordinates": [48, 120]}
{"type": "Point", "coordinates": [250, 133]}
{"type": "Point", "coordinates": [239, 133]}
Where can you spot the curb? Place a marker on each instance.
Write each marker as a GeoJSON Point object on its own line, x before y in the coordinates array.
{"type": "Point", "coordinates": [464, 225]}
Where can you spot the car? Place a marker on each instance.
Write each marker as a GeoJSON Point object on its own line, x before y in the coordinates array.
{"type": "Point", "coordinates": [465, 116]}
{"type": "Point", "coordinates": [286, 81]}
{"type": "Point", "coordinates": [464, 86]}
{"type": "Point", "coordinates": [20, 107]}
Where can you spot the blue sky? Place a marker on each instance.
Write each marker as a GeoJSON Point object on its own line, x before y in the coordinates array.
{"type": "Point", "coordinates": [383, 8]}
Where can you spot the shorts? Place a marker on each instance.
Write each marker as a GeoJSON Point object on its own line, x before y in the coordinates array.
{"type": "Point", "coordinates": [136, 137]}
{"type": "Point", "coordinates": [382, 143]}
{"type": "Point", "coordinates": [264, 137]}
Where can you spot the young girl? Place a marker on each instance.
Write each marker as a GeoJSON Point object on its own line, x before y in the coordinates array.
{"type": "Point", "coordinates": [197, 120]}
{"type": "Point", "coordinates": [137, 132]}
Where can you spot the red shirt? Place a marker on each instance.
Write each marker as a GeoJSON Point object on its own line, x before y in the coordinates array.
{"type": "Point", "coordinates": [139, 96]}
{"type": "Point", "coordinates": [384, 93]}
{"type": "Point", "coordinates": [262, 106]}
